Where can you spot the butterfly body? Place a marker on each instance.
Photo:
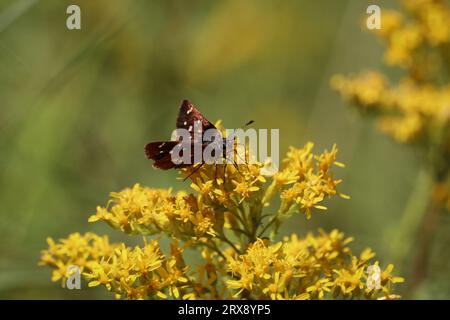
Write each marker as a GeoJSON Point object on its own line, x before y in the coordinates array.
{"type": "Point", "coordinates": [190, 119]}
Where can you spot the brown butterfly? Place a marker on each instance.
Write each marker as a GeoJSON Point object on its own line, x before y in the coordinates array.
{"type": "Point", "coordinates": [161, 151]}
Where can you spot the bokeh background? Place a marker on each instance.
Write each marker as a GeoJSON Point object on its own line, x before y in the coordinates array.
{"type": "Point", "coordinates": [77, 107]}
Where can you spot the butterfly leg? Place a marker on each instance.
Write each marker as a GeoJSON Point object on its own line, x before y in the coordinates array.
{"type": "Point", "coordinates": [237, 153]}
{"type": "Point", "coordinates": [215, 174]}
{"type": "Point", "coordinates": [245, 161]}
{"type": "Point", "coordinates": [224, 172]}
{"type": "Point", "coordinates": [237, 168]}
{"type": "Point", "coordinates": [194, 171]}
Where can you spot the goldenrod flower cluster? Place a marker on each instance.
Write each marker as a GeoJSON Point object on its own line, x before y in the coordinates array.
{"type": "Point", "coordinates": [134, 273]}
{"type": "Point", "coordinates": [417, 108]}
{"type": "Point", "coordinates": [76, 250]}
{"type": "Point", "coordinates": [315, 267]}
{"type": "Point", "coordinates": [141, 210]}
{"type": "Point", "coordinates": [305, 181]}
{"type": "Point", "coordinates": [229, 220]}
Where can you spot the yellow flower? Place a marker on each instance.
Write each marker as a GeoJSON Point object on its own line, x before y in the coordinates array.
{"type": "Point", "coordinates": [285, 177]}
{"type": "Point", "coordinates": [320, 288]}
{"type": "Point", "coordinates": [387, 277]}
{"type": "Point", "coordinates": [402, 43]}
{"type": "Point", "coordinates": [244, 189]}
{"type": "Point", "coordinates": [313, 181]}
{"type": "Point", "coordinates": [310, 201]}
{"type": "Point", "coordinates": [275, 288]}
{"type": "Point", "coordinates": [365, 89]}
{"type": "Point", "coordinates": [349, 279]}
{"type": "Point", "coordinates": [204, 188]}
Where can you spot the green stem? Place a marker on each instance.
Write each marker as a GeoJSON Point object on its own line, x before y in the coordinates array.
{"type": "Point", "coordinates": [412, 217]}
{"type": "Point", "coordinates": [266, 227]}
{"type": "Point", "coordinates": [241, 220]}
{"type": "Point", "coordinates": [214, 248]}
{"type": "Point", "coordinates": [426, 236]}
{"type": "Point", "coordinates": [231, 244]}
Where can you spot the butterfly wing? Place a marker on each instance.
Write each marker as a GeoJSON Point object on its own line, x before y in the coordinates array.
{"type": "Point", "coordinates": [159, 152]}
{"type": "Point", "coordinates": [188, 116]}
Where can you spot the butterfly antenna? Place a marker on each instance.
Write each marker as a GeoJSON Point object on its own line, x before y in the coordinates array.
{"type": "Point", "coordinates": [247, 124]}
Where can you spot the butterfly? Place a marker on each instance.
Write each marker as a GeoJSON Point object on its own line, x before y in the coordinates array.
{"type": "Point", "coordinates": [190, 119]}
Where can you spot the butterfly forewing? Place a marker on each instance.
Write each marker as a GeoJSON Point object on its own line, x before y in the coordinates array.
{"type": "Point", "coordinates": [189, 116]}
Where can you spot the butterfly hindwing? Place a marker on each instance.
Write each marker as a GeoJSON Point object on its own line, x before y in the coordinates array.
{"type": "Point", "coordinates": [160, 153]}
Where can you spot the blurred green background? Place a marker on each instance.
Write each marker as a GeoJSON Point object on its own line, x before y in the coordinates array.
{"type": "Point", "coordinates": [77, 107]}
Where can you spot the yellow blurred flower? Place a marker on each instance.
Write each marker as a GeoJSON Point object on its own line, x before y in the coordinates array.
{"type": "Point", "coordinates": [419, 105]}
